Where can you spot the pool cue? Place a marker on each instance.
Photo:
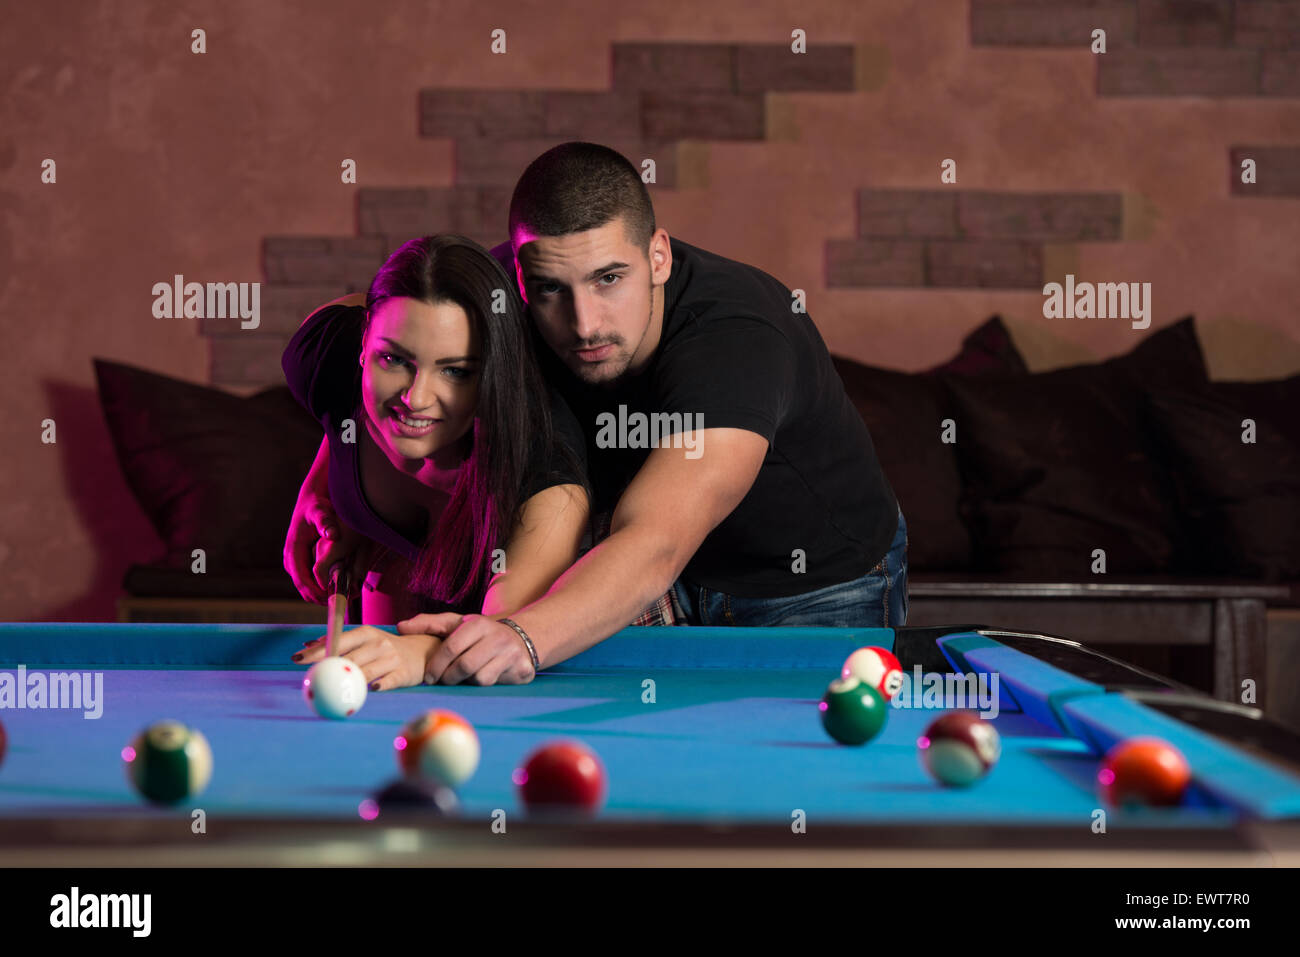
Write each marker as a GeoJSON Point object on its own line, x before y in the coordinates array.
{"type": "Point", "coordinates": [338, 607]}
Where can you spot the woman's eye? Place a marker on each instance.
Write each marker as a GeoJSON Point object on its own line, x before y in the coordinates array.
{"type": "Point", "coordinates": [458, 372]}
{"type": "Point", "coordinates": [387, 359]}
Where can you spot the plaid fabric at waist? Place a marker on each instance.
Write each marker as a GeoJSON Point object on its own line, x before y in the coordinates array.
{"type": "Point", "coordinates": [664, 610]}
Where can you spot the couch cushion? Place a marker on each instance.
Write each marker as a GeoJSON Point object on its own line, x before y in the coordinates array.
{"type": "Point", "coordinates": [211, 470]}
{"type": "Point", "coordinates": [1239, 502]}
{"type": "Point", "coordinates": [903, 412]}
{"type": "Point", "coordinates": [1274, 403]}
{"type": "Point", "coordinates": [1058, 464]}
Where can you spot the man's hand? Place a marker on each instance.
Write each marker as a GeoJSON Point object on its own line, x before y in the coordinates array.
{"type": "Point", "coordinates": [481, 651]}
{"type": "Point", "coordinates": [387, 660]}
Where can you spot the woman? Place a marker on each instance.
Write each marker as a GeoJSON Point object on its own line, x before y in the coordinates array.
{"type": "Point", "coordinates": [458, 476]}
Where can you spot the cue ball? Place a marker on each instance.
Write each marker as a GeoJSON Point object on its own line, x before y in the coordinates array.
{"type": "Point", "coordinates": [877, 667]}
{"type": "Point", "coordinates": [959, 748]}
{"type": "Point", "coordinates": [167, 762]}
{"type": "Point", "coordinates": [562, 776]}
{"type": "Point", "coordinates": [853, 711]}
{"type": "Point", "coordinates": [440, 745]}
{"type": "Point", "coordinates": [1144, 771]}
{"type": "Point", "coordinates": [335, 687]}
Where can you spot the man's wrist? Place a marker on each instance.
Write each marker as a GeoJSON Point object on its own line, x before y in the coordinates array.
{"type": "Point", "coordinates": [525, 638]}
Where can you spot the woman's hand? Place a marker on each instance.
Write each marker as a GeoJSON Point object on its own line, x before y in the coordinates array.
{"type": "Point", "coordinates": [316, 539]}
{"type": "Point", "coordinates": [481, 651]}
{"type": "Point", "coordinates": [387, 660]}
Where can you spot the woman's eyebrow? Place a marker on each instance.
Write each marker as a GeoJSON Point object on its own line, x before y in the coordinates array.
{"type": "Point", "coordinates": [397, 347]}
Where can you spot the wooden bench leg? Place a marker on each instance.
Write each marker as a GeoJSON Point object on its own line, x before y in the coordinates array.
{"type": "Point", "coordinates": [1240, 648]}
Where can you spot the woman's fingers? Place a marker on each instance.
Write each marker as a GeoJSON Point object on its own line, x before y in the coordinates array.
{"type": "Point", "coordinates": [441, 624]}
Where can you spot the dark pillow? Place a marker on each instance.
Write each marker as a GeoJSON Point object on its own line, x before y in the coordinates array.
{"type": "Point", "coordinates": [1058, 464]}
{"type": "Point", "coordinates": [903, 411]}
{"type": "Point", "coordinates": [1275, 403]}
{"type": "Point", "coordinates": [986, 351]}
{"type": "Point", "coordinates": [211, 470]}
{"type": "Point", "coordinates": [1239, 502]}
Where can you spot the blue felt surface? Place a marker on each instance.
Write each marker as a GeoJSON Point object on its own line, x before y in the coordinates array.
{"type": "Point", "coordinates": [738, 738]}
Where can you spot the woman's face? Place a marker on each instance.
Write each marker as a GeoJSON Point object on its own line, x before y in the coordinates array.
{"type": "Point", "coordinates": [420, 380]}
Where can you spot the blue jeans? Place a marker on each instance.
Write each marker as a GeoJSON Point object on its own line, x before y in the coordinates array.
{"type": "Point", "coordinates": [876, 600]}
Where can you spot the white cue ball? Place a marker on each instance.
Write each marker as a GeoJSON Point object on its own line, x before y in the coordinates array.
{"type": "Point", "coordinates": [335, 687]}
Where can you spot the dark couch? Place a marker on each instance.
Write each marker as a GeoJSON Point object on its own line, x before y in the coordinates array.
{"type": "Point", "coordinates": [1113, 502]}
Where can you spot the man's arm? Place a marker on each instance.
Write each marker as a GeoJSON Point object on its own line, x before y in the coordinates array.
{"type": "Point", "coordinates": [662, 518]}
{"type": "Point", "coordinates": [351, 299]}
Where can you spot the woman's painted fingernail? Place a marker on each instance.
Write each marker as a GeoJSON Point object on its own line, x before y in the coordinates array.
{"type": "Point", "coordinates": [374, 686]}
{"type": "Point", "coordinates": [298, 656]}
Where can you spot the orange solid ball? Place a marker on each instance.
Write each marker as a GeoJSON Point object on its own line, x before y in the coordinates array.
{"type": "Point", "coordinates": [1144, 771]}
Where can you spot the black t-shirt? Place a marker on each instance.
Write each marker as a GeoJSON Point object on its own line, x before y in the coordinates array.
{"type": "Point", "coordinates": [321, 365]}
{"type": "Point", "coordinates": [733, 352]}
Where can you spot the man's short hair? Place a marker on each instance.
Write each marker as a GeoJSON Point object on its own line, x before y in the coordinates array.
{"type": "Point", "coordinates": [574, 187]}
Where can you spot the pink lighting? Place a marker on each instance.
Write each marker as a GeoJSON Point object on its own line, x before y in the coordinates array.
{"type": "Point", "coordinates": [368, 810]}
{"type": "Point", "coordinates": [922, 742]}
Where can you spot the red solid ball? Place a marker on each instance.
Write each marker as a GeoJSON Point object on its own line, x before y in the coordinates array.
{"type": "Point", "coordinates": [1144, 771]}
{"type": "Point", "coordinates": [560, 776]}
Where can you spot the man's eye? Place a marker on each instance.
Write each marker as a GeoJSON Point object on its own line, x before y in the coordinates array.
{"type": "Point", "coordinates": [613, 276]}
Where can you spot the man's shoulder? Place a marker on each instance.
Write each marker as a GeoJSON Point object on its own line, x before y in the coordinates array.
{"type": "Point", "coordinates": [714, 294]}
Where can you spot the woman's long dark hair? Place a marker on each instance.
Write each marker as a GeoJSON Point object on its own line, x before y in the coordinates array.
{"type": "Point", "coordinates": [512, 430]}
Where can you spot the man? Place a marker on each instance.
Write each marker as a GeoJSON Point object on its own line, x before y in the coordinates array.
{"type": "Point", "coordinates": [761, 501]}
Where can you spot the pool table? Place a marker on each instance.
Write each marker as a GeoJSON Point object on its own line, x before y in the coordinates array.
{"type": "Point", "coordinates": [710, 736]}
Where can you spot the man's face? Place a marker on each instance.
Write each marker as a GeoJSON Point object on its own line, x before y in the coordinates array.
{"type": "Point", "coordinates": [420, 378]}
{"type": "Point", "coordinates": [596, 297]}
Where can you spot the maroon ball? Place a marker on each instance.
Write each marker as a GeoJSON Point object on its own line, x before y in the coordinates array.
{"type": "Point", "coordinates": [959, 748]}
{"type": "Point", "coordinates": [562, 776]}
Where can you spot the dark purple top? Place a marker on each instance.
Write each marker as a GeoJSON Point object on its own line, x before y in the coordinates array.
{"type": "Point", "coordinates": [322, 369]}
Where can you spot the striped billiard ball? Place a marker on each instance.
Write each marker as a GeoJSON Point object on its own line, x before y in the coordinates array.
{"type": "Point", "coordinates": [959, 748]}
{"type": "Point", "coordinates": [877, 667]}
{"type": "Point", "coordinates": [853, 712]}
{"type": "Point", "coordinates": [438, 744]}
{"type": "Point", "coordinates": [168, 762]}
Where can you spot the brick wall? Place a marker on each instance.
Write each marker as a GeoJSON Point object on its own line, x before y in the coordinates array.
{"type": "Point", "coordinates": [662, 94]}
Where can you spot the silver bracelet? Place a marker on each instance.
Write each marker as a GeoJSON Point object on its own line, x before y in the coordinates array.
{"type": "Point", "coordinates": [528, 642]}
